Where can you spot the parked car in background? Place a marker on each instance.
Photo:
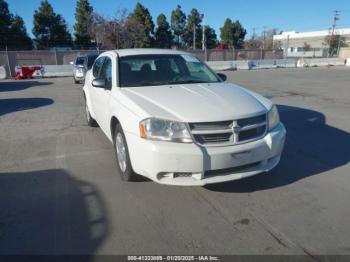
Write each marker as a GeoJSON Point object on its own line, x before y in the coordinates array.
{"type": "Point", "coordinates": [175, 121]}
{"type": "Point", "coordinates": [81, 65]}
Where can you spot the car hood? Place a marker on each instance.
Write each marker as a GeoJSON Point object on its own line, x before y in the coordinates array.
{"type": "Point", "coordinates": [197, 102]}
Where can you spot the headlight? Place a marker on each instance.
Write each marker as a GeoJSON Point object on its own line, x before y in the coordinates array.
{"type": "Point", "coordinates": [164, 130]}
{"type": "Point", "coordinates": [274, 117]}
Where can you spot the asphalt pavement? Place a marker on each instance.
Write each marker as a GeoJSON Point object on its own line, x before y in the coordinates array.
{"type": "Point", "coordinates": [60, 192]}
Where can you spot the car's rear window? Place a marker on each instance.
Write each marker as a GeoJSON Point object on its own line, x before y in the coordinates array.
{"type": "Point", "coordinates": [80, 60]}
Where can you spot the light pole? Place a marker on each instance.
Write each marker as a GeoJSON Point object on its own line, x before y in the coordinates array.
{"type": "Point", "coordinates": [264, 36]}
{"type": "Point", "coordinates": [194, 36]}
{"type": "Point", "coordinates": [287, 47]}
{"type": "Point", "coordinates": [331, 41]}
{"type": "Point", "coordinates": [203, 37]}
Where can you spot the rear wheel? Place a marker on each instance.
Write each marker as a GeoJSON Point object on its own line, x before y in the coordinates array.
{"type": "Point", "coordinates": [122, 156]}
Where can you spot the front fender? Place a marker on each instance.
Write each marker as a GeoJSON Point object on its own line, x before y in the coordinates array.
{"type": "Point", "coordinates": [128, 119]}
{"type": "Point", "coordinates": [87, 94]}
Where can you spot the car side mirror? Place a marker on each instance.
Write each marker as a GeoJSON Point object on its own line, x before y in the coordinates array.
{"type": "Point", "coordinates": [223, 77]}
{"type": "Point", "coordinates": [99, 83]}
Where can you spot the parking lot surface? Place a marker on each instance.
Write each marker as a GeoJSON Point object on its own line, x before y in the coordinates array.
{"type": "Point", "coordinates": [60, 192]}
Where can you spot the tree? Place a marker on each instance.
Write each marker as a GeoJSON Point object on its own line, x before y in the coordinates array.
{"type": "Point", "coordinates": [233, 34]}
{"type": "Point", "coordinates": [83, 13]}
{"type": "Point", "coordinates": [163, 35]}
{"type": "Point", "coordinates": [211, 40]}
{"type": "Point", "coordinates": [120, 32]}
{"type": "Point", "coordinates": [142, 16]}
{"type": "Point", "coordinates": [50, 29]}
{"type": "Point", "coordinates": [253, 43]}
{"type": "Point", "coordinates": [13, 33]}
{"type": "Point", "coordinates": [97, 29]}
{"type": "Point", "coordinates": [227, 32]}
{"type": "Point", "coordinates": [5, 22]}
{"type": "Point", "coordinates": [264, 41]}
{"type": "Point", "coordinates": [268, 38]}
{"type": "Point", "coordinates": [306, 47]}
{"type": "Point", "coordinates": [178, 24]}
{"type": "Point", "coordinates": [194, 20]}
{"type": "Point", "coordinates": [334, 42]}
{"type": "Point", "coordinates": [132, 34]}
{"type": "Point", "coordinates": [18, 38]}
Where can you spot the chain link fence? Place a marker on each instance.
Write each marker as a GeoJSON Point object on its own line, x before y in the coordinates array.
{"type": "Point", "coordinates": [10, 59]}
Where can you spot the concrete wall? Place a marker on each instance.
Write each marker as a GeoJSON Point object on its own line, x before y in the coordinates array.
{"type": "Point", "coordinates": [311, 62]}
{"type": "Point", "coordinates": [253, 64]}
{"type": "Point", "coordinates": [344, 52]}
{"type": "Point", "coordinates": [3, 72]}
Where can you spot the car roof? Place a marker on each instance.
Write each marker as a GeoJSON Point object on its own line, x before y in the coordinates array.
{"type": "Point", "coordinates": [149, 51]}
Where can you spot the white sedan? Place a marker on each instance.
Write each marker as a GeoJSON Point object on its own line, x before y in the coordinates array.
{"type": "Point", "coordinates": [173, 120]}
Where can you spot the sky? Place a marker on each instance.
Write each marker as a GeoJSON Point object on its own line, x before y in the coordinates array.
{"type": "Point", "coordinates": [295, 15]}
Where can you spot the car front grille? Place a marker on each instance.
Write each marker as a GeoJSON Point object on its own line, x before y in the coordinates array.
{"type": "Point", "coordinates": [229, 132]}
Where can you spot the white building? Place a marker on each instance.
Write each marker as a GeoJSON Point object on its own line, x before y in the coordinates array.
{"type": "Point", "coordinates": [292, 42]}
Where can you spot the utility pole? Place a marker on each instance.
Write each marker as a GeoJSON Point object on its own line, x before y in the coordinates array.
{"type": "Point", "coordinates": [194, 36]}
{"type": "Point", "coordinates": [201, 17]}
{"type": "Point", "coordinates": [254, 34]}
{"type": "Point", "coordinates": [264, 36]}
{"type": "Point", "coordinates": [335, 19]}
{"type": "Point", "coordinates": [287, 47]}
{"type": "Point", "coordinates": [8, 62]}
{"type": "Point", "coordinates": [334, 25]}
{"type": "Point", "coordinates": [203, 37]}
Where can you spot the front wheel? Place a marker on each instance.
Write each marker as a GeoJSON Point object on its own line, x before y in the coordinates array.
{"type": "Point", "coordinates": [89, 119]}
{"type": "Point", "coordinates": [122, 156]}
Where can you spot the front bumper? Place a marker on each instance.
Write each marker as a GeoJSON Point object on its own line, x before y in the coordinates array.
{"type": "Point", "coordinates": [194, 165]}
{"type": "Point", "coordinates": [79, 75]}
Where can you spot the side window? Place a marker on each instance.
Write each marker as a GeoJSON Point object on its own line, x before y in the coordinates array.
{"type": "Point", "coordinates": [97, 67]}
{"type": "Point", "coordinates": [174, 66]}
{"type": "Point", "coordinates": [106, 72]}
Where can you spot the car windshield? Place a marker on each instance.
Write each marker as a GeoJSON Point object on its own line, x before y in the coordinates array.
{"type": "Point", "coordinates": [150, 70]}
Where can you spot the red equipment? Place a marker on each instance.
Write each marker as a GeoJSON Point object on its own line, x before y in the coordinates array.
{"type": "Point", "coordinates": [26, 71]}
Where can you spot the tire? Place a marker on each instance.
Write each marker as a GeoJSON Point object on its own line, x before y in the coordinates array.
{"type": "Point", "coordinates": [76, 81]}
{"type": "Point", "coordinates": [89, 119]}
{"type": "Point", "coordinates": [122, 156]}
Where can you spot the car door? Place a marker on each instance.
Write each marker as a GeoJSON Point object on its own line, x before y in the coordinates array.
{"type": "Point", "coordinates": [102, 95]}
{"type": "Point", "coordinates": [93, 90]}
